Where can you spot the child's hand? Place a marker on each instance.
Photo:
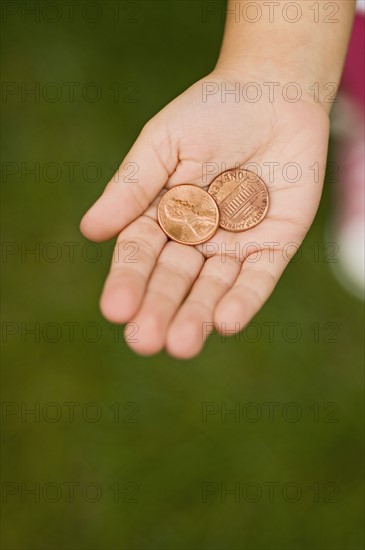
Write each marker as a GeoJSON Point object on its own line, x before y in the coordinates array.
{"type": "Point", "coordinates": [173, 291]}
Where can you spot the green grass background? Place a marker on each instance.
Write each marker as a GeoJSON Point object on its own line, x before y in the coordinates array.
{"type": "Point", "coordinates": [161, 47]}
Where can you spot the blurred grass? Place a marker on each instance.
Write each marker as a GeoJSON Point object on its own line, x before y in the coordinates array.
{"type": "Point", "coordinates": [169, 452]}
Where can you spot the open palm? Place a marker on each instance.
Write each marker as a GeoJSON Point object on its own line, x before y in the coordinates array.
{"type": "Point", "coordinates": [174, 293]}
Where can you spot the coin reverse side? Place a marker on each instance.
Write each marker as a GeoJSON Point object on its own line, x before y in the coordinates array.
{"type": "Point", "coordinates": [242, 198]}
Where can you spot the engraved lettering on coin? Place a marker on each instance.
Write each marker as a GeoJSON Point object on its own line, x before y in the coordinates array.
{"type": "Point", "coordinates": [242, 198]}
{"type": "Point", "coordinates": [188, 214]}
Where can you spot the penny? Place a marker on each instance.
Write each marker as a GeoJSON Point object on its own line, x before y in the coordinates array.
{"type": "Point", "coordinates": [188, 214]}
{"type": "Point", "coordinates": [242, 198]}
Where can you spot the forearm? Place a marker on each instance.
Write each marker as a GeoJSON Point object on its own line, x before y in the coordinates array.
{"type": "Point", "coordinates": [304, 40]}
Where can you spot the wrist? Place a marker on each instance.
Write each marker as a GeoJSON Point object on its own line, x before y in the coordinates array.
{"type": "Point", "coordinates": [278, 81]}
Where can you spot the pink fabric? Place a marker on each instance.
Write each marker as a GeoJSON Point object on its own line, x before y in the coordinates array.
{"type": "Point", "coordinates": [353, 79]}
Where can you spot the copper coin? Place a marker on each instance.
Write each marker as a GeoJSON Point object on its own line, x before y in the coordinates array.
{"type": "Point", "coordinates": [188, 214]}
{"type": "Point", "coordinates": [242, 198]}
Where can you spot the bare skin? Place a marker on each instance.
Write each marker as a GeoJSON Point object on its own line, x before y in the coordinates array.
{"type": "Point", "coordinates": [174, 290]}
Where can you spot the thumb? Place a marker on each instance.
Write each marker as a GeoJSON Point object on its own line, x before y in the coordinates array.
{"type": "Point", "coordinates": [140, 177]}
